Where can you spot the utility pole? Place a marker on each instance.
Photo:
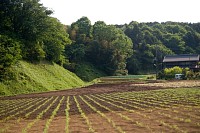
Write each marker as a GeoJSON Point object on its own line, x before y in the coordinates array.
{"type": "Point", "coordinates": [156, 61]}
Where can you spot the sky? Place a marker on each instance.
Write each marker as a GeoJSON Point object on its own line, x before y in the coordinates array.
{"type": "Point", "coordinates": [125, 11]}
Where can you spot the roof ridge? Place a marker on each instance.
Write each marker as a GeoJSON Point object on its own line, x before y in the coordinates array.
{"type": "Point", "coordinates": [185, 57]}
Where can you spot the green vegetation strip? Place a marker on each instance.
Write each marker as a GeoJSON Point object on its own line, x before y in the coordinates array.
{"type": "Point", "coordinates": [14, 104]}
{"type": "Point", "coordinates": [19, 110]}
{"type": "Point", "coordinates": [83, 115]}
{"type": "Point", "coordinates": [39, 77]}
{"type": "Point", "coordinates": [6, 128]}
{"type": "Point", "coordinates": [29, 125]}
{"type": "Point", "coordinates": [122, 107]}
{"type": "Point", "coordinates": [67, 115]}
{"type": "Point", "coordinates": [137, 103]}
{"type": "Point", "coordinates": [109, 120]}
{"type": "Point", "coordinates": [53, 115]}
{"type": "Point", "coordinates": [136, 123]}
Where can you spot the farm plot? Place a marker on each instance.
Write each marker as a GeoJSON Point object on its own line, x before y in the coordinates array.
{"type": "Point", "coordinates": [166, 110]}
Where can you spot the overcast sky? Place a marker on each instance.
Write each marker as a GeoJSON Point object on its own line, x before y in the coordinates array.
{"type": "Point", "coordinates": [125, 11]}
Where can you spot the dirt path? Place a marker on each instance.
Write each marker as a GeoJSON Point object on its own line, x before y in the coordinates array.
{"type": "Point", "coordinates": [114, 87]}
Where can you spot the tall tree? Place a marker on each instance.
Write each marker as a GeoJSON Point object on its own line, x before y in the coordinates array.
{"type": "Point", "coordinates": [175, 43]}
{"type": "Point", "coordinates": [110, 48]}
{"type": "Point", "coordinates": [81, 31]}
{"type": "Point", "coordinates": [27, 19]}
{"type": "Point", "coordinates": [55, 41]}
{"type": "Point", "coordinates": [192, 40]}
{"type": "Point", "coordinates": [10, 52]}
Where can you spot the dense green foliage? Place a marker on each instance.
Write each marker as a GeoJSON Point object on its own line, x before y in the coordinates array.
{"type": "Point", "coordinates": [28, 25]}
{"type": "Point", "coordinates": [9, 54]}
{"type": "Point", "coordinates": [88, 72]}
{"type": "Point", "coordinates": [110, 49]}
{"type": "Point", "coordinates": [39, 77]}
{"type": "Point", "coordinates": [159, 39]}
{"type": "Point", "coordinates": [105, 46]}
{"type": "Point", "coordinates": [27, 31]}
{"type": "Point", "coordinates": [193, 75]}
{"type": "Point", "coordinates": [169, 73]}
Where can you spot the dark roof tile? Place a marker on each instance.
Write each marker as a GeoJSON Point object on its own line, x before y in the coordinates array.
{"type": "Point", "coordinates": [179, 58]}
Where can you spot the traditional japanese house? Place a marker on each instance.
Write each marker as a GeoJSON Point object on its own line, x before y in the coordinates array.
{"type": "Point", "coordinates": [187, 60]}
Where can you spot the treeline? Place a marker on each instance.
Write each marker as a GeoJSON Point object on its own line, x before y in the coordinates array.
{"type": "Point", "coordinates": [109, 47]}
{"type": "Point", "coordinates": [28, 32]}
{"type": "Point", "coordinates": [105, 46]}
{"type": "Point", "coordinates": [151, 40]}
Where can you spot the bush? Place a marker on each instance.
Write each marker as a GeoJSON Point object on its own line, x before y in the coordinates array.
{"type": "Point", "coordinates": [120, 72]}
{"type": "Point", "coordinates": [87, 71]}
{"type": "Point", "coordinates": [170, 72]}
{"type": "Point", "coordinates": [151, 77]}
{"type": "Point", "coordinates": [10, 53]}
{"type": "Point", "coordinates": [193, 75]}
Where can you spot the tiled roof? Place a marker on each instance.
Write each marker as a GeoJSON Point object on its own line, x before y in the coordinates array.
{"type": "Point", "coordinates": [179, 58]}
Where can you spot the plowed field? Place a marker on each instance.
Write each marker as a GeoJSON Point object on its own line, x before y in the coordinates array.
{"type": "Point", "coordinates": [132, 107]}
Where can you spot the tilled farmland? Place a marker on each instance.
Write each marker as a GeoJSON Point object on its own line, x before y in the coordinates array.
{"type": "Point", "coordinates": [104, 108]}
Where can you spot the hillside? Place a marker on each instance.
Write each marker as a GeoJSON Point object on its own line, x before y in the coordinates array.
{"type": "Point", "coordinates": [38, 78]}
{"type": "Point", "coordinates": [88, 72]}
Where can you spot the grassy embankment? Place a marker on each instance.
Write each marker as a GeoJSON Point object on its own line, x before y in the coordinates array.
{"type": "Point", "coordinates": [39, 78]}
{"type": "Point", "coordinates": [45, 76]}
{"type": "Point", "coordinates": [88, 72]}
{"type": "Point", "coordinates": [126, 78]}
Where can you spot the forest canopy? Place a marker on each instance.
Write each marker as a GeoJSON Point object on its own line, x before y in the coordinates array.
{"type": "Point", "coordinates": [28, 32]}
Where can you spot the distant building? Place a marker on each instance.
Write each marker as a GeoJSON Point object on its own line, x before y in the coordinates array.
{"type": "Point", "coordinates": [187, 60]}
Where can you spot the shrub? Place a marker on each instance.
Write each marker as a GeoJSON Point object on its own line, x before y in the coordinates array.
{"type": "Point", "coordinates": [193, 75]}
{"type": "Point", "coordinates": [10, 53]}
{"type": "Point", "coordinates": [170, 72]}
{"type": "Point", "coordinates": [121, 72]}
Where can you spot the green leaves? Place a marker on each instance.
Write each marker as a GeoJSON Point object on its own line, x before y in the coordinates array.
{"type": "Point", "coordinates": [55, 40]}
{"type": "Point", "coordinates": [81, 31]}
{"type": "Point", "coordinates": [161, 38]}
{"type": "Point", "coordinates": [10, 53]}
{"type": "Point", "coordinates": [41, 36]}
{"type": "Point", "coordinates": [103, 45]}
{"type": "Point", "coordinates": [111, 48]}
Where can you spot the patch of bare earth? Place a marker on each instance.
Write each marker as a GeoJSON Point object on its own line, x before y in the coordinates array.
{"type": "Point", "coordinates": [172, 84]}
{"type": "Point", "coordinates": [108, 115]}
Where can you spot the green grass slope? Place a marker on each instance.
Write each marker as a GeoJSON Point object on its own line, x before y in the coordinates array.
{"type": "Point", "coordinates": [88, 72]}
{"type": "Point", "coordinates": [39, 78]}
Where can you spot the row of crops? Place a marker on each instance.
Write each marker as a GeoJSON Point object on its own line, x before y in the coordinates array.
{"type": "Point", "coordinates": [170, 110]}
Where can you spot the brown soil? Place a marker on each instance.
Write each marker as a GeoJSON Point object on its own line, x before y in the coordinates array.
{"type": "Point", "coordinates": [114, 87]}
{"type": "Point", "coordinates": [145, 117]}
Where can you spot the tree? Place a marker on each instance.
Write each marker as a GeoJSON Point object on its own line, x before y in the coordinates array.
{"type": "Point", "coordinates": [175, 43]}
{"type": "Point", "coordinates": [149, 38]}
{"type": "Point", "coordinates": [175, 29]}
{"type": "Point", "coordinates": [33, 29]}
{"type": "Point", "coordinates": [55, 41]}
{"type": "Point", "coordinates": [134, 63]}
{"type": "Point", "coordinates": [42, 36]}
{"type": "Point", "coordinates": [10, 53]}
{"type": "Point", "coordinates": [75, 52]}
{"type": "Point", "coordinates": [133, 31]}
{"type": "Point", "coordinates": [192, 40]}
{"type": "Point", "coordinates": [27, 19]}
{"type": "Point", "coordinates": [110, 48]}
{"type": "Point", "coordinates": [81, 31]}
